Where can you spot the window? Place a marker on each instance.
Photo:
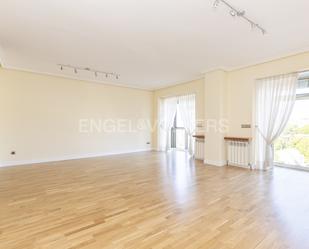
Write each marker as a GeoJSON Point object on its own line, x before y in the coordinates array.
{"type": "Point", "coordinates": [179, 135]}
{"type": "Point", "coordinates": [292, 147]}
{"type": "Point", "coordinates": [177, 123]}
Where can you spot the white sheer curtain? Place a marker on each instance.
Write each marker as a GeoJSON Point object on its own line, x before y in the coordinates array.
{"type": "Point", "coordinates": [167, 114]}
{"type": "Point", "coordinates": [186, 106]}
{"type": "Point", "coordinates": [274, 101]}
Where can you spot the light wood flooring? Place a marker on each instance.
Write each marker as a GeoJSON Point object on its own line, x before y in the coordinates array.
{"type": "Point", "coordinates": [151, 200]}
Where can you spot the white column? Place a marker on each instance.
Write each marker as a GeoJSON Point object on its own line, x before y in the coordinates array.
{"type": "Point", "coordinates": [215, 117]}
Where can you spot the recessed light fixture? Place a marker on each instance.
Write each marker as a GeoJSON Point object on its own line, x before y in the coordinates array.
{"type": "Point", "coordinates": [239, 13]}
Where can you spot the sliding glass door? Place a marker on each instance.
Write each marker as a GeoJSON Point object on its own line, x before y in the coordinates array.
{"type": "Point", "coordinates": [292, 147]}
{"type": "Point", "coordinates": [177, 123]}
{"type": "Point", "coordinates": [179, 137]}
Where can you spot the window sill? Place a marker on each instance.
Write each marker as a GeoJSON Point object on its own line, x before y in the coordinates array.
{"type": "Point", "coordinates": [298, 167]}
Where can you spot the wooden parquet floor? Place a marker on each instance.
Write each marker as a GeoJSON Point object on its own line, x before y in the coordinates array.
{"type": "Point", "coordinates": [151, 200]}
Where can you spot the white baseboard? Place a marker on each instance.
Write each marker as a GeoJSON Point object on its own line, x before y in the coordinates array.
{"type": "Point", "coordinates": [70, 157]}
{"type": "Point", "coordinates": [215, 163]}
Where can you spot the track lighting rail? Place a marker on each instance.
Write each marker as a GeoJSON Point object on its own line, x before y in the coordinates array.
{"type": "Point", "coordinates": [240, 13]}
{"type": "Point", "coordinates": [94, 71]}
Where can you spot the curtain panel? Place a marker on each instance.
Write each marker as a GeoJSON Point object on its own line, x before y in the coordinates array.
{"type": "Point", "coordinates": [186, 110]}
{"type": "Point", "coordinates": [167, 114]}
{"type": "Point", "coordinates": [186, 106]}
{"type": "Point", "coordinates": [274, 102]}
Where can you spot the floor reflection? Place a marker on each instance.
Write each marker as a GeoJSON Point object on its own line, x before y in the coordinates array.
{"type": "Point", "coordinates": [285, 193]}
{"type": "Point", "coordinates": [180, 173]}
{"type": "Point", "coordinates": [289, 198]}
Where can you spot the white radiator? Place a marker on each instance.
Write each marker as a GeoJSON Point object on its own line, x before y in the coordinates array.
{"type": "Point", "coordinates": [238, 153]}
{"type": "Point", "coordinates": [199, 149]}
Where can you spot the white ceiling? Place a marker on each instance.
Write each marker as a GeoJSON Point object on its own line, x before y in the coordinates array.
{"type": "Point", "coordinates": [150, 43]}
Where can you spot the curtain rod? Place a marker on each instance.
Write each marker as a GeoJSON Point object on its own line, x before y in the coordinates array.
{"type": "Point", "coordinates": [302, 71]}
{"type": "Point", "coordinates": [177, 95]}
{"type": "Point", "coordinates": [298, 72]}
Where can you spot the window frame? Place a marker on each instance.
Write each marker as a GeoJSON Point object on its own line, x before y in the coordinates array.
{"type": "Point", "coordinates": [173, 134]}
{"type": "Point", "coordinates": [299, 96]}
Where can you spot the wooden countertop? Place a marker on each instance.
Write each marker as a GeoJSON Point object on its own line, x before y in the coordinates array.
{"type": "Point", "coordinates": [239, 139]}
{"type": "Point", "coordinates": [199, 136]}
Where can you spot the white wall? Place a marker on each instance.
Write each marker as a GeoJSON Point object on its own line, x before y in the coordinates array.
{"type": "Point", "coordinates": [40, 118]}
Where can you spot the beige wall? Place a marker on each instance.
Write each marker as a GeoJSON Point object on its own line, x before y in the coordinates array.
{"type": "Point", "coordinates": [239, 92]}
{"type": "Point", "coordinates": [240, 89]}
{"type": "Point", "coordinates": [230, 95]}
{"type": "Point", "coordinates": [215, 113]}
{"type": "Point", "coordinates": [195, 86]}
{"type": "Point", "coordinates": [40, 114]}
{"type": "Point", "coordinates": [40, 118]}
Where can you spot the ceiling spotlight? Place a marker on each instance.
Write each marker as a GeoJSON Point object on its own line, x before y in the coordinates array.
{"type": "Point", "coordinates": [233, 13]}
{"type": "Point", "coordinates": [241, 13]}
{"type": "Point", "coordinates": [262, 30]}
{"type": "Point", "coordinates": [216, 3]}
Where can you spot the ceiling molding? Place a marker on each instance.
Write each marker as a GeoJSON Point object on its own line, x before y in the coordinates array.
{"type": "Point", "coordinates": [87, 80]}
{"type": "Point", "coordinates": [180, 82]}
{"type": "Point", "coordinates": [82, 79]}
{"type": "Point", "coordinates": [216, 69]}
{"type": "Point", "coordinates": [263, 61]}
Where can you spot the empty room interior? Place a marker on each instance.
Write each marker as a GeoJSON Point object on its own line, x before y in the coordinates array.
{"type": "Point", "coordinates": [154, 124]}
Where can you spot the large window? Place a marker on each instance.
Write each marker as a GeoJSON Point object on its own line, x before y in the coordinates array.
{"type": "Point", "coordinates": [177, 123]}
{"type": "Point", "coordinates": [292, 147]}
